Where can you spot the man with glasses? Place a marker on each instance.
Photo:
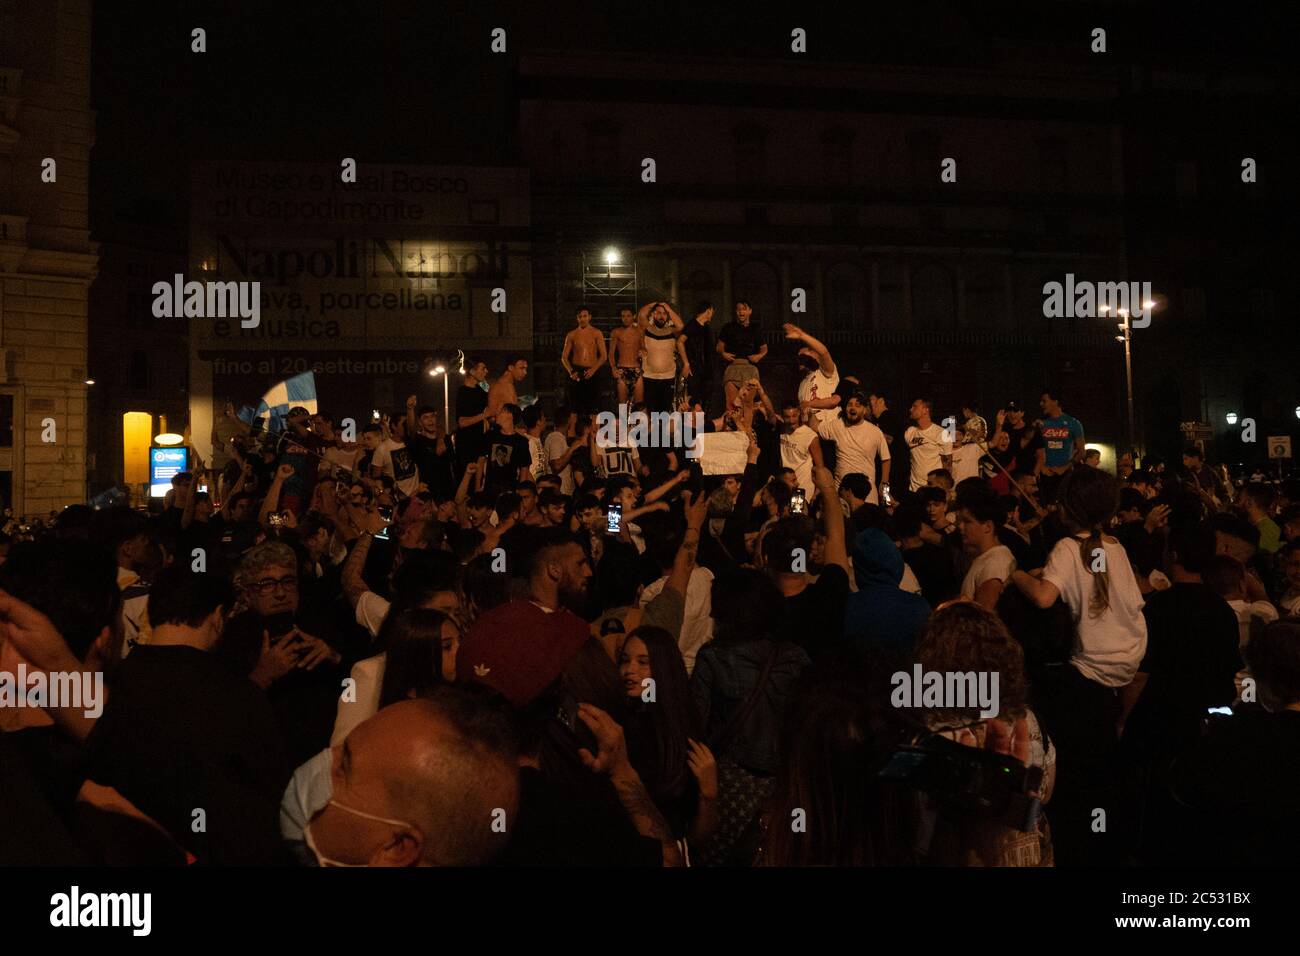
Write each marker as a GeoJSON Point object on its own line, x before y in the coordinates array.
{"type": "Point", "coordinates": [278, 645]}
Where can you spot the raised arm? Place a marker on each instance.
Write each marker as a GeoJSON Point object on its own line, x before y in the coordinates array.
{"type": "Point", "coordinates": [832, 519]}
{"type": "Point", "coordinates": [272, 500]}
{"type": "Point", "coordinates": [815, 347]}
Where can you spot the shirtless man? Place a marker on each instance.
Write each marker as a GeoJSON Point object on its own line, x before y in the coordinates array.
{"type": "Point", "coordinates": [583, 355]}
{"type": "Point", "coordinates": [625, 350]}
{"type": "Point", "coordinates": [661, 329]}
{"type": "Point", "coordinates": [503, 389]}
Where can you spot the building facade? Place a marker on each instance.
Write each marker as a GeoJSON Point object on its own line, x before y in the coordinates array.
{"type": "Point", "coordinates": [47, 260]}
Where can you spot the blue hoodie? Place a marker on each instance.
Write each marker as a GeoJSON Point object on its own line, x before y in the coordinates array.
{"type": "Point", "coordinates": [881, 614]}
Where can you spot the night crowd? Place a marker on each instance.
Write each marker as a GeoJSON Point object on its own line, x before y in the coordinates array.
{"type": "Point", "coordinates": [500, 641]}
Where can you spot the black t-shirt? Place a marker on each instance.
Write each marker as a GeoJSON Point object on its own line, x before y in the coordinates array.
{"type": "Point", "coordinates": [740, 340]}
{"type": "Point", "coordinates": [506, 454]}
{"type": "Point", "coordinates": [564, 826]}
{"type": "Point", "coordinates": [436, 470]}
{"type": "Point", "coordinates": [932, 566]}
{"type": "Point", "coordinates": [180, 733]}
{"type": "Point", "coordinates": [33, 805]}
{"type": "Point", "coordinates": [900, 458]}
{"type": "Point", "coordinates": [470, 440]}
{"type": "Point", "coordinates": [699, 348]}
{"type": "Point", "coordinates": [814, 618]}
{"type": "Point", "coordinates": [1026, 456]}
{"type": "Point", "coordinates": [1191, 659]}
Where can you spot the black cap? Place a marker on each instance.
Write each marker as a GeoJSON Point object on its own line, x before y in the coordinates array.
{"type": "Point", "coordinates": [1011, 407]}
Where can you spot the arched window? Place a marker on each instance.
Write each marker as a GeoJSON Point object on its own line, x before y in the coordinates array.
{"type": "Point", "coordinates": [934, 297]}
{"type": "Point", "coordinates": [848, 298]}
{"type": "Point", "coordinates": [984, 295]}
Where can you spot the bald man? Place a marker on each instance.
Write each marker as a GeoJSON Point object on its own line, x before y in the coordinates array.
{"type": "Point", "coordinates": [426, 782]}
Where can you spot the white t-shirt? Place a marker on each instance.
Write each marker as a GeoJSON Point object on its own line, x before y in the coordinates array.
{"type": "Point", "coordinates": [555, 446]}
{"type": "Point", "coordinates": [1107, 648]}
{"type": "Point", "coordinates": [856, 449]}
{"type": "Point", "coordinates": [928, 447]}
{"type": "Point", "coordinates": [817, 385]}
{"type": "Point", "coordinates": [369, 677]}
{"type": "Point", "coordinates": [1248, 611]}
{"type": "Point", "coordinates": [660, 353]}
{"type": "Point", "coordinates": [966, 462]}
{"type": "Point", "coordinates": [371, 611]}
{"type": "Point", "coordinates": [394, 459]}
{"type": "Point", "coordinates": [343, 458]}
{"type": "Point", "coordinates": [697, 624]}
{"type": "Point", "coordinates": [795, 454]}
{"type": "Point", "coordinates": [995, 563]}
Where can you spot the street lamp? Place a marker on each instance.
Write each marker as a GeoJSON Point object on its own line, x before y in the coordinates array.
{"type": "Point", "coordinates": [446, 395]}
{"type": "Point", "coordinates": [1297, 411]}
{"type": "Point", "coordinates": [1232, 418]}
{"type": "Point", "coordinates": [1127, 338]}
{"type": "Point", "coordinates": [611, 256]}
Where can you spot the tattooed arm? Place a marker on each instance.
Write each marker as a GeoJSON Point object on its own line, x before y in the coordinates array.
{"type": "Point", "coordinates": [611, 759]}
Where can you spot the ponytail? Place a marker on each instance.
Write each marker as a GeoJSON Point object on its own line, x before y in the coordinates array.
{"type": "Point", "coordinates": [1100, 579]}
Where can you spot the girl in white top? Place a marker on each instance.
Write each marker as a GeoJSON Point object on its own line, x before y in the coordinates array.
{"type": "Point", "coordinates": [1090, 572]}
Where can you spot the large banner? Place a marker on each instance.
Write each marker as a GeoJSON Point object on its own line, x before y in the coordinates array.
{"type": "Point", "coordinates": [359, 282]}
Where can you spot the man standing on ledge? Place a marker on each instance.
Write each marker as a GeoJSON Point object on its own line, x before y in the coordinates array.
{"type": "Point", "coordinates": [742, 348]}
{"type": "Point", "coordinates": [583, 355]}
{"type": "Point", "coordinates": [1063, 441]}
{"type": "Point", "coordinates": [504, 390]}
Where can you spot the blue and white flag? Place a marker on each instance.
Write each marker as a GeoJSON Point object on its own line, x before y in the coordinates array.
{"type": "Point", "coordinates": [274, 407]}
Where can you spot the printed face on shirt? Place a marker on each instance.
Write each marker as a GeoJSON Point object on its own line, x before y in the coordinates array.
{"type": "Point", "coordinates": [634, 665]}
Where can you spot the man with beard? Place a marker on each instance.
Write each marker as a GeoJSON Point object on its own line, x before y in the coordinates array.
{"type": "Point", "coordinates": [544, 623]}
{"type": "Point", "coordinates": [858, 443]}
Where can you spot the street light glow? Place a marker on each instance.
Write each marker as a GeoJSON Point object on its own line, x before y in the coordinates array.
{"type": "Point", "coordinates": [1232, 418]}
{"type": "Point", "coordinates": [611, 256]}
{"type": "Point", "coordinates": [438, 370]}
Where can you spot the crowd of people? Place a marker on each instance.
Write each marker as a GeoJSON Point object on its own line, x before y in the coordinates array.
{"type": "Point", "coordinates": [500, 640]}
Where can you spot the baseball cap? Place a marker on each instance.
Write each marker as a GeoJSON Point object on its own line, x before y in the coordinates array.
{"type": "Point", "coordinates": [519, 649]}
{"type": "Point", "coordinates": [1011, 407]}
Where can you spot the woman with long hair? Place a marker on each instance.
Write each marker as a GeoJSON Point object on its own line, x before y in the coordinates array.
{"type": "Point", "coordinates": [662, 733]}
{"type": "Point", "coordinates": [1089, 571]}
{"type": "Point", "coordinates": [420, 645]}
{"type": "Point", "coordinates": [741, 682]}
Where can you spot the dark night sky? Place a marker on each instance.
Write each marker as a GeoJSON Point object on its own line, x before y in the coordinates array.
{"type": "Point", "coordinates": [412, 80]}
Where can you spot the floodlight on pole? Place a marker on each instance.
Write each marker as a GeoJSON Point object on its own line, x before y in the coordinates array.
{"type": "Point", "coordinates": [611, 256]}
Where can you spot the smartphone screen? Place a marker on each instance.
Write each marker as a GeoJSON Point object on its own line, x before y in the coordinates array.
{"type": "Point", "coordinates": [614, 519]}
{"type": "Point", "coordinates": [798, 503]}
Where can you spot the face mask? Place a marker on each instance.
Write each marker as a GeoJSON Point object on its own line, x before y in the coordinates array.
{"type": "Point", "coordinates": [310, 791]}
{"type": "Point", "coordinates": [307, 794]}
{"type": "Point", "coordinates": [321, 859]}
